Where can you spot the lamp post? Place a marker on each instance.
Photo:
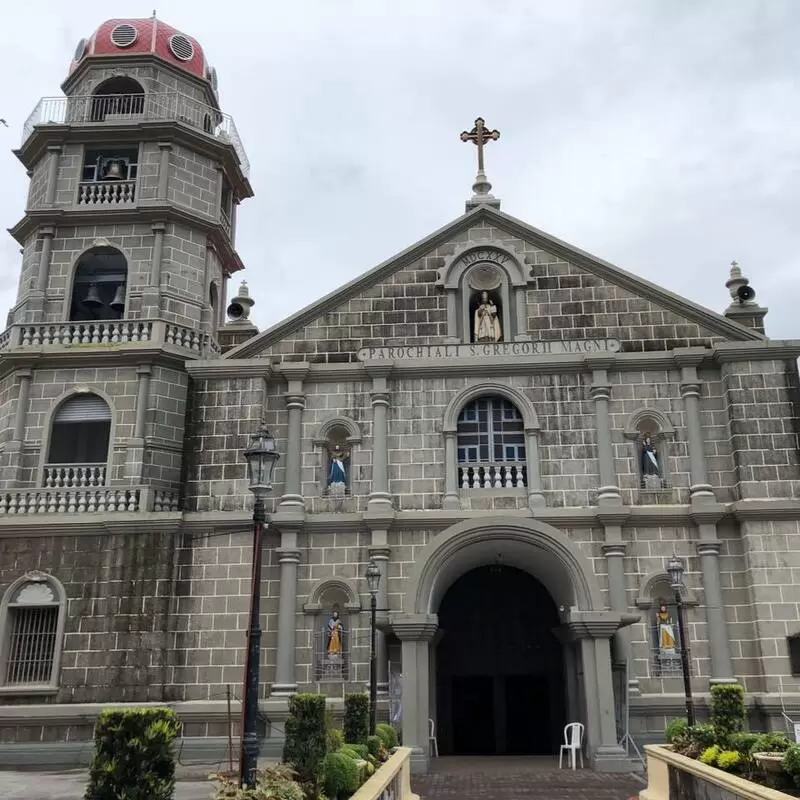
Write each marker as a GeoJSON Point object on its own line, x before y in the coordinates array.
{"type": "Point", "coordinates": [675, 571]}
{"type": "Point", "coordinates": [373, 581]}
{"type": "Point", "coordinates": [261, 455]}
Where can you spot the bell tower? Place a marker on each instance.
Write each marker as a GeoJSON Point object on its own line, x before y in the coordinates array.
{"type": "Point", "coordinates": [128, 245]}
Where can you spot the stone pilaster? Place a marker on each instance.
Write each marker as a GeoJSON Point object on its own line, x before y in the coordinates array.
{"type": "Point", "coordinates": [292, 499]}
{"type": "Point", "coordinates": [43, 275]}
{"type": "Point", "coordinates": [688, 358]}
{"type": "Point", "coordinates": [379, 497]}
{"type": "Point", "coordinates": [12, 454]}
{"type": "Point", "coordinates": [708, 547]}
{"type": "Point", "coordinates": [535, 496]}
{"type": "Point", "coordinates": [451, 294]}
{"type": "Point", "coordinates": [163, 170]}
{"type": "Point", "coordinates": [379, 552]}
{"type": "Point", "coordinates": [151, 294]}
{"type": "Point", "coordinates": [451, 500]}
{"type": "Point", "coordinates": [53, 159]}
{"type": "Point", "coordinates": [134, 455]}
{"type": "Point", "coordinates": [608, 492]}
{"type": "Point", "coordinates": [288, 558]}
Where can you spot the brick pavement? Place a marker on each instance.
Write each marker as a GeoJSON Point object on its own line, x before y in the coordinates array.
{"type": "Point", "coordinates": [488, 778]}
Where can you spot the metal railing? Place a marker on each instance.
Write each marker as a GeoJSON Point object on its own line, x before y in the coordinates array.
{"type": "Point", "coordinates": [106, 193]}
{"type": "Point", "coordinates": [156, 107]}
{"type": "Point", "coordinates": [509, 475]}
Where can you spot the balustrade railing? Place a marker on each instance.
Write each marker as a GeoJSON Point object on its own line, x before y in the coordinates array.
{"type": "Point", "coordinates": [99, 500]}
{"type": "Point", "coordinates": [226, 221]}
{"type": "Point", "coordinates": [106, 193]}
{"type": "Point", "coordinates": [509, 475]}
{"type": "Point", "coordinates": [391, 781]}
{"type": "Point", "coordinates": [155, 107]}
{"type": "Point", "coordinates": [74, 475]}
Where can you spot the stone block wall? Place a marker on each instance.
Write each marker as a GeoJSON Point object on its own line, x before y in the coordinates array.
{"type": "Point", "coordinates": [193, 182]}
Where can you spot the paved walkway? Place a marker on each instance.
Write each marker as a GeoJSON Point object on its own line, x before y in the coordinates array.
{"type": "Point", "coordinates": [489, 778]}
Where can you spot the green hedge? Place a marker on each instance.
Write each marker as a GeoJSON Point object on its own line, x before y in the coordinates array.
{"type": "Point", "coordinates": [356, 718]}
{"type": "Point", "coordinates": [306, 739]}
{"type": "Point", "coordinates": [728, 711]}
{"type": "Point", "coordinates": [341, 775]}
{"type": "Point", "coordinates": [133, 757]}
{"type": "Point", "coordinates": [388, 735]}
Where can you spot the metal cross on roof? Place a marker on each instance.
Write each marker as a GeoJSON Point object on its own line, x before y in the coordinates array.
{"type": "Point", "coordinates": [480, 136]}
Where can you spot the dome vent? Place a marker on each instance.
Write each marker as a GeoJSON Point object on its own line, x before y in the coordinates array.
{"type": "Point", "coordinates": [80, 49]}
{"type": "Point", "coordinates": [181, 47]}
{"type": "Point", "coordinates": [124, 35]}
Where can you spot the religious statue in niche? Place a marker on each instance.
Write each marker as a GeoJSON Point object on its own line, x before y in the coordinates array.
{"type": "Point", "coordinates": [487, 322]}
{"type": "Point", "coordinates": [334, 634]}
{"type": "Point", "coordinates": [338, 471]}
{"type": "Point", "coordinates": [666, 630]}
{"type": "Point", "coordinates": [651, 469]}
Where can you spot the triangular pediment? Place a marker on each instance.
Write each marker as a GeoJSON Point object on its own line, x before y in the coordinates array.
{"type": "Point", "coordinates": [365, 317]}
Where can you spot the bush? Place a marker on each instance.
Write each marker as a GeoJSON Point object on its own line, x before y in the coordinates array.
{"type": "Point", "coordinates": [676, 728]}
{"type": "Point", "coordinates": [728, 712]}
{"type": "Point", "coordinates": [388, 735]}
{"type": "Point", "coordinates": [791, 763]}
{"type": "Point", "coordinates": [710, 754]}
{"type": "Point", "coordinates": [335, 739]}
{"type": "Point", "coordinates": [730, 760]}
{"type": "Point", "coordinates": [341, 776]}
{"type": "Point", "coordinates": [133, 756]}
{"type": "Point", "coordinates": [745, 742]}
{"type": "Point", "coordinates": [356, 718]}
{"type": "Point", "coordinates": [306, 739]}
{"type": "Point", "coordinates": [775, 742]}
{"type": "Point", "coordinates": [273, 783]}
{"type": "Point", "coordinates": [704, 734]}
{"type": "Point", "coordinates": [361, 750]}
{"type": "Point", "coordinates": [375, 746]}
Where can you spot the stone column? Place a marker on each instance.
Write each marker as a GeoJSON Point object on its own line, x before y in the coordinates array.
{"type": "Point", "coordinates": [415, 632]}
{"type": "Point", "coordinates": [42, 278]}
{"type": "Point", "coordinates": [218, 191]}
{"type": "Point", "coordinates": [134, 455]}
{"type": "Point", "coordinates": [379, 552]}
{"type": "Point", "coordinates": [151, 295]}
{"type": "Point", "coordinates": [451, 500]}
{"type": "Point", "coordinates": [688, 358]}
{"type": "Point", "coordinates": [452, 315]}
{"type": "Point", "coordinates": [521, 308]}
{"type": "Point", "coordinates": [288, 558]}
{"type": "Point", "coordinates": [12, 456]}
{"type": "Point", "coordinates": [163, 170]}
{"type": "Point", "coordinates": [608, 493]}
{"type": "Point", "coordinates": [379, 497]}
{"type": "Point", "coordinates": [53, 158]}
{"type": "Point", "coordinates": [708, 548]}
{"type": "Point", "coordinates": [23, 400]}
{"type": "Point", "coordinates": [292, 499]}
{"type": "Point", "coordinates": [535, 496]}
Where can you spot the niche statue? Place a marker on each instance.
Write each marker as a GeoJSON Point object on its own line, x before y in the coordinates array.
{"type": "Point", "coordinates": [487, 323]}
{"type": "Point", "coordinates": [333, 639]}
{"type": "Point", "coordinates": [651, 470]}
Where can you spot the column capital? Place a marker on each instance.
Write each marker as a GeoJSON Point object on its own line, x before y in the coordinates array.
{"type": "Point", "coordinates": [379, 398]}
{"type": "Point", "coordinates": [690, 356]}
{"type": "Point", "coordinates": [295, 370]}
{"type": "Point", "coordinates": [691, 388]}
{"type": "Point", "coordinates": [165, 145]}
{"type": "Point", "coordinates": [378, 371]}
{"type": "Point", "coordinates": [707, 514]}
{"type": "Point", "coordinates": [295, 400]}
{"type": "Point", "coordinates": [47, 231]}
{"type": "Point", "coordinates": [614, 549]}
{"type": "Point", "coordinates": [144, 369]}
{"type": "Point", "coordinates": [379, 552]}
{"type": "Point", "coordinates": [414, 627]}
{"type": "Point", "coordinates": [288, 556]}
{"type": "Point", "coordinates": [597, 624]}
{"type": "Point", "coordinates": [708, 548]}
{"type": "Point", "coordinates": [24, 374]}
{"type": "Point", "coordinates": [599, 364]}
{"type": "Point", "coordinates": [159, 227]}
{"type": "Point", "coordinates": [600, 391]}
{"type": "Point", "coordinates": [54, 148]}
{"type": "Point", "coordinates": [610, 516]}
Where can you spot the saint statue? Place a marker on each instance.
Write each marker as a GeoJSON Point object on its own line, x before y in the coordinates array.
{"type": "Point", "coordinates": [649, 457]}
{"type": "Point", "coordinates": [487, 323]}
{"type": "Point", "coordinates": [335, 631]}
{"type": "Point", "coordinates": [337, 474]}
{"type": "Point", "coordinates": [666, 631]}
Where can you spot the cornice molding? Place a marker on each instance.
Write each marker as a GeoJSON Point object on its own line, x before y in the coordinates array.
{"type": "Point", "coordinates": [221, 368]}
{"type": "Point", "coordinates": [746, 510]}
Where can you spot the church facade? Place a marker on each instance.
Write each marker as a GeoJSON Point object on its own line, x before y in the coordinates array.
{"type": "Point", "coordinates": [519, 435]}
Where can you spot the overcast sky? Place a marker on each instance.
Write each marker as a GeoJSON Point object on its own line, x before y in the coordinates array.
{"type": "Point", "coordinates": [660, 135]}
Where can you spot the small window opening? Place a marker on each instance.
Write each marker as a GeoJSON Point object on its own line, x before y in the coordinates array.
{"type": "Point", "coordinates": [117, 99]}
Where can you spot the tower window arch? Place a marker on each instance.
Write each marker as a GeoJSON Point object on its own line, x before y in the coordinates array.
{"type": "Point", "coordinates": [32, 617]}
{"type": "Point", "coordinates": [490, 444]}
{"type": "Point", "coordinates": [117, 98]}
{"type": "Point", "coordinates": [99, 286]}
{"type": "Point", "coordinates": [77, 454]}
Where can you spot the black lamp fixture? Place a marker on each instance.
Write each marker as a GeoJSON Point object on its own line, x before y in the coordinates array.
{"type": "Point", "coordinates": [261, 455]}
{"type": "Point", "coordinates": [675, 572]}
{"type": "Point", "coordinates": [373, 576]}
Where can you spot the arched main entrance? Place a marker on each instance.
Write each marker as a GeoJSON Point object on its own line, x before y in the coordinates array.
{"type": "Point", "coordinates": [499, 680]}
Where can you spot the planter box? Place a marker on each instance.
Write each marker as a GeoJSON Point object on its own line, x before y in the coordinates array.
{"type": "Point", "coordinates": [391, 781]}
{"type": "Point", "coordinates": [674, 777]}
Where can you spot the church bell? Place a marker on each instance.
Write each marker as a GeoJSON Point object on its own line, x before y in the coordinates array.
{"type": "Point", "coordinates": [92, 299]}
{"type": "Point", "coordinates": [112, 171]}
{"type": "Point", "coordinates": [118, 303]}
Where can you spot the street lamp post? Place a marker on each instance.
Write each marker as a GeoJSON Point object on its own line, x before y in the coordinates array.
{"type": "Point", "coordinates": [261, 455]}
{"type": "Point", "coordinates": [373, 582]}
{"type": "Point", "coordinates": [675, 571]}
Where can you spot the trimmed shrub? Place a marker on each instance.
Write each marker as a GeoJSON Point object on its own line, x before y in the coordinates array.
{"type": "Point", "coordinates": [728, 712]}
{"type": "Point", "coordinates": [730, 760]}
{"type": "Point", "coordinates": [710, 754]}
{"type": "Point", "coordinates": [676, 728]}
{"type": "Point", "coordinates": [791, 763]}
{"type": "Point", "coordinates": [133, 756]}
{"type": "Point", "coordinates": [361, 750]}
{"type": "Point", "coordinates": [347, 750]}
{"type": "Point", "coordinates": [306, 739]}
{"type": "Point", "coordinates": [388, 735]}
{"type": "Point", "coordinates": [341, 776]}
{"type": "Point", "coordinates": [375, 745]}
{"type": "Point", "coordinates": [356, 718]}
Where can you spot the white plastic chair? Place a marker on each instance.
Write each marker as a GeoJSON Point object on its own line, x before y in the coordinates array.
{"type": "Point", "coordinates": [433, 745]}
{"type": "Point", "coordinates": [573, 743]}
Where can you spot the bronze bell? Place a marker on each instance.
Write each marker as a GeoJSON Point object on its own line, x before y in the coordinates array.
{"type": "Point", "coordinates": [118, 303]}
{"type": "Point", "coordinates": [92, 299]}
{"type": "Point", "coordinates": [112, 171]}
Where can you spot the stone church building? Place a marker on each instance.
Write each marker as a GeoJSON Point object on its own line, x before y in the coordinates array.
{"type": "Point", "coordinates": [519, 434]}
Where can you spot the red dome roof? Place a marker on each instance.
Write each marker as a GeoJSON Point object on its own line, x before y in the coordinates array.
{"type": "Point", "coordinates": [120, 37]}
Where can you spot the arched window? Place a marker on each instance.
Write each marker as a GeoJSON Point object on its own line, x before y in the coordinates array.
{"type": "Point", "coordinates": [79, 437]}
{"type": "Point", "coordinates": [32, 616]}
{"type": "Point", "coordinates": [490, 443]}
{"type": "Point", "coordinates": [117, 98]}
{"type": "Point", "coordinates": [100, 285]}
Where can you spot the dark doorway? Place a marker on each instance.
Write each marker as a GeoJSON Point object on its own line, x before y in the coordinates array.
{"type": "Point", "coordinates": [499, 667]}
